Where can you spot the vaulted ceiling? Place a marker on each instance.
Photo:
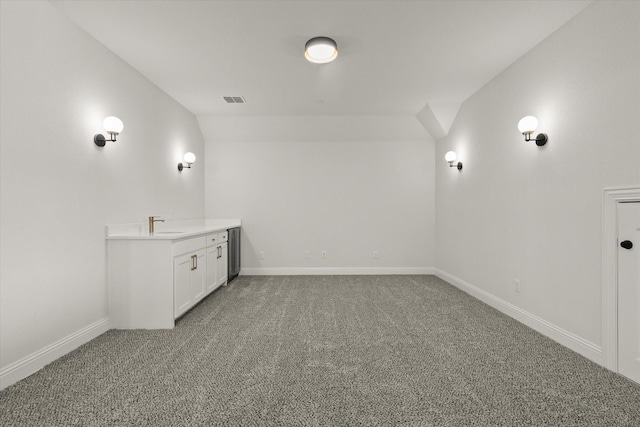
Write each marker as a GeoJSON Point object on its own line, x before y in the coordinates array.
{"type": "Point", "coordinates": [395, 57]}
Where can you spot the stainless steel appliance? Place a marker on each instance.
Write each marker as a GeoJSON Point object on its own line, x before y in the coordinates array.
{"type": "Point", "coordinates": [234, 253]}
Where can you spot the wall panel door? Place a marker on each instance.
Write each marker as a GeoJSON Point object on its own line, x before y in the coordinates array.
{"type": "Point", "coordinates": [629, 290]}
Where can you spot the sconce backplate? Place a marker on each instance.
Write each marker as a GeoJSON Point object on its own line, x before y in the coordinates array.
{"type": "Point", "coordinates": [100, 140]}
{"type": "Point", "coordinates": [541, 139]}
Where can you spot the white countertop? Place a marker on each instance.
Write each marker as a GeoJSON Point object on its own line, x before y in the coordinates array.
{"type": "Point", "coordinates": [169, 230]}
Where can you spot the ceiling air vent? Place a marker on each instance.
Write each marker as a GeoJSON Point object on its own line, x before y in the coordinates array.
{"type": "Point", "coordinates": [234, 99]}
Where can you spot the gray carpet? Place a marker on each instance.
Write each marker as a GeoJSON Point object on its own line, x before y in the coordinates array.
{"type": "Point", "coordinates": [329, 351]}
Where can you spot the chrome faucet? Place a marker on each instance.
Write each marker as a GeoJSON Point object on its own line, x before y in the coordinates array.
{"type": "Point", "coordinates": [153, 220]}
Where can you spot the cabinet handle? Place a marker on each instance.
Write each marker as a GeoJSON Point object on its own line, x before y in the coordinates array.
{"type": "Point", "coordinates": [219, 255]}
{"type": "Point", "coordinates": [195, 258]}
{"type": "Point", "coordinates": [193, 263]}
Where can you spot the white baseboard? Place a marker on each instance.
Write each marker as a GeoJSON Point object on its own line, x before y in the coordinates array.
{"type": "Point", "coordinates": [339, 271]}
{"type": "Point", "coordinates": [35, 361]}
{"type": "Point", "coordinates": [572, 341]}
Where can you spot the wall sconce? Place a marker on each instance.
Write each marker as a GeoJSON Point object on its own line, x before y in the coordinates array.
{"type": "Point", "coordinates": [113, 126]}
{"type": "Point", "coordinates": [189, 159]}
{"type": "Point", "coordinates": [451, 157]}
{"type": "Point", "coordinates": [527, 126]}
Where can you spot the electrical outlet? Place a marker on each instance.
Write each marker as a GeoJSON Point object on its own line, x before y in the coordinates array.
{"type": "Point", "coordinates": [306, 255]}
{"type": "Point", "coordinates": [517, 286]}
{"type": "Point", "coordinates": [375, 254]}
{"type": "Point", "coordinates": [261, 254]}
{"type": "Point", "coordinates": [324, 254]}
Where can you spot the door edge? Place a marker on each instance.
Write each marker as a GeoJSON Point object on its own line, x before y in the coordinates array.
{"type": "Point", "coordinates": [611, 198]}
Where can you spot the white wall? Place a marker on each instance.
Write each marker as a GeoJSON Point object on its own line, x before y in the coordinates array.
{"type": "Point", "coordinates": [58, 190]}
{"type": "Point", "coordinates": [346, 185]}
{"type": "Point", "coordinates": [519, 211]}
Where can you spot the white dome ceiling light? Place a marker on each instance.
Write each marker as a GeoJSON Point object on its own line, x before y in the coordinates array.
{"type": "Point", "coordinates": [321, 50]}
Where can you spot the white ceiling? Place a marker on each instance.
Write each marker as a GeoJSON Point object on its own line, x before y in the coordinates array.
{"type": "Point", "coordinates": [395, 57]}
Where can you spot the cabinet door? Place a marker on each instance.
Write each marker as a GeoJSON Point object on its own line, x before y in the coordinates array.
{"type": "Point", "coordinates": [222, 263]}
{"type": "Point", "coordinates": [212, 268]}
{"type": "Point", "coordinates": [198, 277]}
{"type": "Point", "coordinates": [182, 266]}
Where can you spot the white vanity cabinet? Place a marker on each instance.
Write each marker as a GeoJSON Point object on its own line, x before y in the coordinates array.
{"type": "Point", "coordinates": [155, 278]}
{"type": "Point", "coordinates": [189, 274]}
{"type": "Point", "coordinates": [216, 260]}
{"type": "Point", "coordinates": [141, 284]}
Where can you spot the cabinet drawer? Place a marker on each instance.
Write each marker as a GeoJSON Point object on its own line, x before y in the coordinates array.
{"type": "Point", "coordinates": [217, 238]}
{"type": "Point", "coordinates": [190, 245]}
{"type": "Point", "coordinates": [212, 239]}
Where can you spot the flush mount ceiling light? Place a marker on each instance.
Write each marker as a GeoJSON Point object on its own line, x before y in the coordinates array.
{"type": "Point", "coordinates": [321, 50]}
{"type": "Point", "coordinates": [113, 126]}
{"type": "Point", "coordinates": [527, 125]}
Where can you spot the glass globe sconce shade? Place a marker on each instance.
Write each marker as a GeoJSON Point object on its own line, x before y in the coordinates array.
{"type": "Point", "coordinates": [113, 126]}
{"type": "Point", "coordinates": [527, 125]}
{"type": "Point", "coordinates": [451, 157]}
{"type": "Point", "coordinates": [189, 159]}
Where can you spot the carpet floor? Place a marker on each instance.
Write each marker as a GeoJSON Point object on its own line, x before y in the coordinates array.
{"type": "Point", "coordinates": [326, 351]}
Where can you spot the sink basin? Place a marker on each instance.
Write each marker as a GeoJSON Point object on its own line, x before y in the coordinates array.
{"type": "Point", "coordinates": [168, 232]}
